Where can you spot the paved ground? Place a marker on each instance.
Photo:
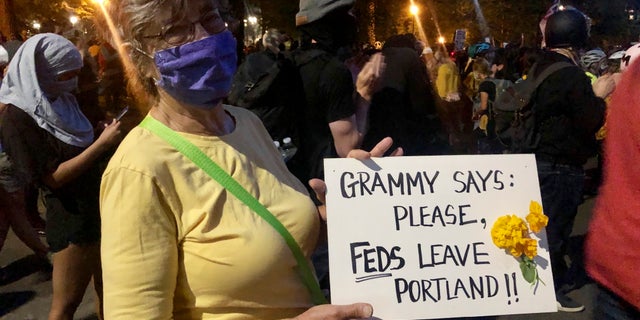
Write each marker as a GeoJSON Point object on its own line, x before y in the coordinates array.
{"type": "Point", "coordinates": [27, 295]}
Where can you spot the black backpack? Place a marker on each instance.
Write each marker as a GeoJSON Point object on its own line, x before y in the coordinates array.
{"type": "Point", "coordinates": [270, 86]}
{"type": "Point", "coordinates": [513, 115]}
{"type": "Point", "coordinates": [501, 86]}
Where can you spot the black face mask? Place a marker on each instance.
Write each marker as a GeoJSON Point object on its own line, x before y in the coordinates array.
{"type": "Point", "coordinates": [335, 30]}
{"type": "Point", "coordinates": [345, 30]}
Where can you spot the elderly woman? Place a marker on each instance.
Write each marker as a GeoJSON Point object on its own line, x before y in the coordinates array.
{"type": "Point", "coordinates": [51, 144]}
{"type": "Point", "coordinates": [176, 243]}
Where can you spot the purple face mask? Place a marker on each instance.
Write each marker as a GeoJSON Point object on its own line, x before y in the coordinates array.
{"type": "Point", "coordinates": [199, 73]}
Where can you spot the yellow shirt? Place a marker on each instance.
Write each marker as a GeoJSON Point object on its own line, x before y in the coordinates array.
{"type": "Point", "coordinates": [93, 50]}
{"type": "Point", "coordinates": [448, 80]}
{"type": "Point", "coordinates": [175, 244]}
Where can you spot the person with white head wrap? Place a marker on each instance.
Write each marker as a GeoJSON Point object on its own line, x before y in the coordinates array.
{"type": "Point", "coordinates": [13, 212]}
{"type": "Point", "coordinates": [31, 84]}
{"type": "Point", "coordinates": [51, 144]}
{"type": "Point", "coordinates": [4, 56]}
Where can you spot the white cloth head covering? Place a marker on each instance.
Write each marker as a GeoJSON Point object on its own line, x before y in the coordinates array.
{"type": "Point", "coordinates": [4, 56]}
{"type": "Point", "coordinates": [31, 84]}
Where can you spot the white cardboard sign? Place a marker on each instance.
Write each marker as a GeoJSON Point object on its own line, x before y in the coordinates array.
{"type": "Point", "coordinates": [412, 236]}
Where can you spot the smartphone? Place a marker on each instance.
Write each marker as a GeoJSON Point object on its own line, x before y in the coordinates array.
{"type": "Point", "coordinates": [122, 113]}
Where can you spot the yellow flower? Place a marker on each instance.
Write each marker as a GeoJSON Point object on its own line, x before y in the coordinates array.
{"type": "Point", "coordinates": [516, 250]}
{"type": "Point", "coordinates": [511, 233]}
{"type": "Point", "coordinates": [536, 219]}
{"type": "Point", "coordinates": [508, 231]}
{"type": "Point", "coordinates": [530, 247]}
{"type": "Point", "coordinates": [535, 207]}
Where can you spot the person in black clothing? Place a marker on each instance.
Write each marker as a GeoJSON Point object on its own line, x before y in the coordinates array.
{"type": "Point", "coordinates": [88, 86]}
{"type": "Point", "coordinates": [268, 84]}
{"type": "Point", "coordinates": [334, 116]}
{"type": "Point", "coordinates": [568, 114]}
{"type": "Point", "coordinates": [404, 107]}
{"type": "Point", "coordinates": [335, 113]}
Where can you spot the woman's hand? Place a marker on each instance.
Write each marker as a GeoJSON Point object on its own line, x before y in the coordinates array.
{"type": "Point", "coordinates": [111, 134]}
{"type": "Point", "coordinates": [336, 312]}
{"type": "Point", "coordinates": [320, 188]}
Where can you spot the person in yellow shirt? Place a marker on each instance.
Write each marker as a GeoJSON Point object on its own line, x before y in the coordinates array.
{"type": "Point", "coordinates": [94, 49]}
{"type": "Point", "coordinates": [449, 106]}
{"type": "Point", "coordinates": [176, 244]}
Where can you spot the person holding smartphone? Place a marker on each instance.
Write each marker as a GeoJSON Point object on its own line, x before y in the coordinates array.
{"type": "Point", "coordinates": [52, 145]}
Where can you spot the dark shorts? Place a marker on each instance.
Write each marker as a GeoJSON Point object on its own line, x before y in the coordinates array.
{"type": "Point", "coordinates": [9, 179]}
{"type": "Point", "coordinates": [78, 226]}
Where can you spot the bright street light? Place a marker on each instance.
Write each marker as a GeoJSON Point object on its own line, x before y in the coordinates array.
{"type": "Point", "coordinates": [253, 20]}
{"type": "Point", "coordinates": [36, 25]}
{"type": "Point", "coordinates": [414, 9]}
{"type": "Point", "coordinates": [441, 40]}
{"type": "Point", "coordinates": [73, 20]}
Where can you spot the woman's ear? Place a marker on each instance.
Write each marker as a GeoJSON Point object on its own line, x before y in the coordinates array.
{"type": "Point", "coordinates": [126, 48]}
{"type": "Point", "coordinates": [138, 60]}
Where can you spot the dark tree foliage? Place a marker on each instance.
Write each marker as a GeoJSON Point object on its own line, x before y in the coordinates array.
{"type": "Point", "coordinates": [610, 23]}
{"type": "Point", "coordinates": [279, 14]}
{"type": "Point", "coordinates": [53, 15]}
{"type": "Point", "coordinates": [504, 20]}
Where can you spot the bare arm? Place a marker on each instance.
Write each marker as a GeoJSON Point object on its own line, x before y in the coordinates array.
{"type": "Point", "coordinates": [346, 135]}
{"type": "Point", "coordinates": [348, 132]}
{"type": "Point", "coordinates": [74, 167]}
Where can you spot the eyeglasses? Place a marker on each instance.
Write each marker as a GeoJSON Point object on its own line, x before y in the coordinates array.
{"type": "Point", "coordinates": [177, 34]}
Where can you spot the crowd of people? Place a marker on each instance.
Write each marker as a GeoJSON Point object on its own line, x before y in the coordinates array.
{"type": "Point", "coordinates": [142, 218]}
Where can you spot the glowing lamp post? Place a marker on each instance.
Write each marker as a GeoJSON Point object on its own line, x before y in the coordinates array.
{"type": "Point", "coordinates": [73, 20]}
{"type": "Point", "coordinates": [252, 28]}
{"type": "Point", "coordinates": [414, 10]}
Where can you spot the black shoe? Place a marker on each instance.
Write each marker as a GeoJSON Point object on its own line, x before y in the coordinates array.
{"type": "Point", "coordinates": [567, 304]}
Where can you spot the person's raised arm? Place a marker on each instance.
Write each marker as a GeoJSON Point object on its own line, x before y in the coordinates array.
{"type": "Point", "coordinates": [72, 168]}
{"type": "Point", "coordinates": [348, 132]}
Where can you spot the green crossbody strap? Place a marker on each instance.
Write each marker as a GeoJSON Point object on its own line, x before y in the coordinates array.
{"type": "Point", "coordinates": [214, 171]}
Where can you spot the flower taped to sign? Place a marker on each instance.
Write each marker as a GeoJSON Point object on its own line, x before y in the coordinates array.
{"type": "Point", "coordinates": [438, 236]}
{"type": "Point", "coordinates": [511, 233]}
